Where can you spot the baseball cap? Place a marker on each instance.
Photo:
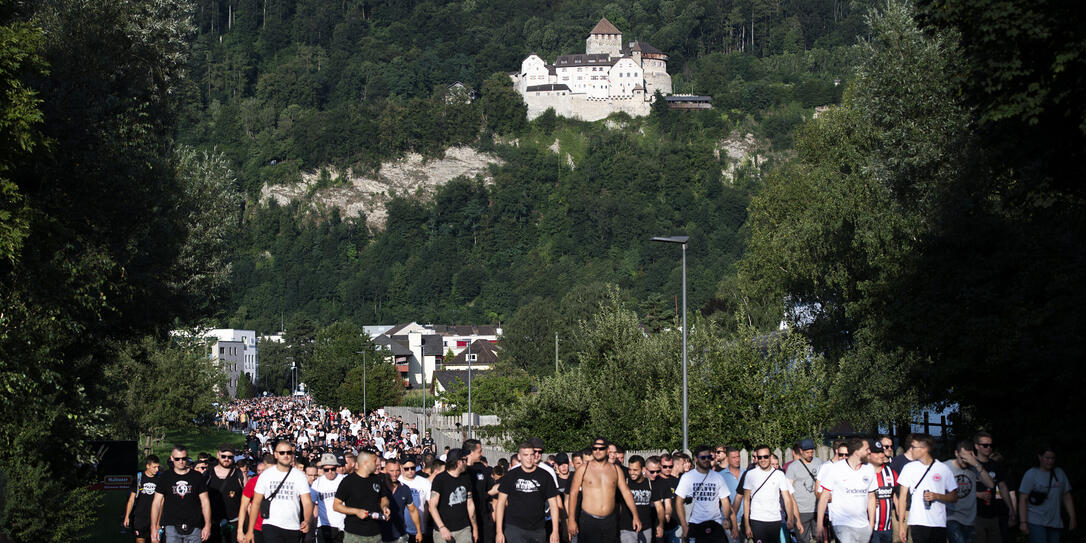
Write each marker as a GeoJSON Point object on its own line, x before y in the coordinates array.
{"type": "Point", "coordinates": [535, 442]}
{"type": "Point", "coordinates": [876, 446]}
{"type": "Point", "coordinates": [561, 458]}
{"type": "Point", "coordinates": [806, 444]}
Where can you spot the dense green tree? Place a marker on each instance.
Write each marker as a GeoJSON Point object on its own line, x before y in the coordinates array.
{"type": "Point", "coordinates": [383, 386]}
{"type": "Point", "coordinates": [335, 352]}
{"type": "Point", "coordinates": [165, 385]}
{"type": "Point", "coordinates": [745, 388]}
{"type": "Point", "coordinates": [504, 112]}
{"type": "Point", "coordinates": [834, 232]}
{"type": "Point", "coordinates": [490, 393]}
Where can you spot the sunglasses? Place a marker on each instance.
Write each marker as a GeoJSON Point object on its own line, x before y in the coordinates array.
{"type": "Point", "coordinates": [705, 457]}
{"type": "Point", "coordinates": [842, 454]}
{"type": "Point", "coordinates": [666, 466]}
{"type": "Point", "coordinates": [654, 471]}
{"type": "Point", "coordinates": [326, 470]}
{"type": "Point", "coordinates": [763, 456]}
{"type": "Point", "coordinates": [285, 453]}
{"type": "Point", "coordinates": [985, 445]}
{"type": "Point", "coordinates": [180, 459]}
{"type": "Point", "coordinates": [226, 456]}
{"type": "Point", "coordinates": [599, 447]}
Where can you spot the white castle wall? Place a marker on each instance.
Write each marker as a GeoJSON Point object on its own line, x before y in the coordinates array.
{"type": "Point", "coordinates": [604, 43]}
{"type": "Point", "coordinates": [656, 76]}
{"type": "Point", "coordinates": [580, 106]}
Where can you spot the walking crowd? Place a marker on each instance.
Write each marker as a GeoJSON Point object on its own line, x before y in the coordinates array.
{"type": "Point", "coordinates": [312, 474]}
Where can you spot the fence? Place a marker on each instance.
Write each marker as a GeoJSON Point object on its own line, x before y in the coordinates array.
{"type": "Point", "coordinates": [446, 433]}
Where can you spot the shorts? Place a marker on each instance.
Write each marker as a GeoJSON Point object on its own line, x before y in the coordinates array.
{"type": "Point", "coordinates": [275, 534]}
{"type": "Point", "coordinates": [707, 532]}
{"type": "Point", "coordinates": [765, 531]}
{"type": "Point", "coordinates": [852, 534]}
{"type": "Point", "coordinates": [175, 536]}
{"type": "Point", "coordinates": [329, 534]}
{"type": "Point", "coordinates": [597, 529]}
{"type": "Point", "coordinates": [463, 535]}
{"type": "Point", "coordinates": [355, 538]}
{"type": "Point", "coordinates": [142, 531]}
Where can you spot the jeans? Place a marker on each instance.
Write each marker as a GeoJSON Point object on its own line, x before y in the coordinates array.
{"type": "Point", "coordinates": [173, 536]}
{"type": "Point", "coordinates": [957, 532]}
{"type": "Point", "coordinates": [1043, 534]}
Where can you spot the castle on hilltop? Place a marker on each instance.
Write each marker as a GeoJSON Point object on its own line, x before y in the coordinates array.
{"type": "Point", "coordinates": [609, 77]}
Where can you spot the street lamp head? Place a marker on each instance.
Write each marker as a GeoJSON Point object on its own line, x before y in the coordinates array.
{"type": "Point", "coordinates": [672, 239]}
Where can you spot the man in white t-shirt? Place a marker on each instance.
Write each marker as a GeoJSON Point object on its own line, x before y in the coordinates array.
{"type": "Point", "coordinates": [932, 486]}
{"type": "Point", "coordinates": [329, 521]}
{"type": "Point", "coordinates": [420, 490]}
{"type": "Point", "coordinates": [763, 490]}
{"type": "Point", "coordinates": [848, 489]}
{"type": "Point", "coordinates": [710, 510]}
{"type": "Point", "coordinates": [288, 490]}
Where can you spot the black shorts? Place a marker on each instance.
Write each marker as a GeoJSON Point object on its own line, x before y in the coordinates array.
{"type": "Point", "coordinates": [142, 531]}
{"type": "Point", "coordinates": [707, 532]}
{"type": "Point", "coordinates": [595, 529]}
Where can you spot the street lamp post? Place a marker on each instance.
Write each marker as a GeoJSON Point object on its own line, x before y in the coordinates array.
{"type": "Point", "coordinates": [365, 410]}
{"type": "Point", "coordinates": [471, 415]}
{"type": "Point", "coordinates": [291, 359]}
{"type": "Point", "coordinates": [423, 395]}
{"type": "Point", "coordinates": [682, 240]}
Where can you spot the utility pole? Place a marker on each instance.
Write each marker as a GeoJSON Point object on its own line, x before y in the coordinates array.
{"type": "Point", "coordinates": [291, 359]}
{"type": "Point", "coordinates": [556, 352]}
{"type": "Point", "coordinates": [470, 414]}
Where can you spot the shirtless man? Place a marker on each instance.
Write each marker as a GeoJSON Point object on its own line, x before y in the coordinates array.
{"type": "Point", "coordinates": [599, 481]}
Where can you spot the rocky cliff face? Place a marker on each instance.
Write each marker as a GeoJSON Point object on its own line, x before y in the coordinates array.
{"type": "Point", "coordinates": [409, 175]}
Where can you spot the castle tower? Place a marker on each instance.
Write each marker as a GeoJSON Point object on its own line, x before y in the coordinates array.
{"type": "Point", "coordinates": [604, 38]}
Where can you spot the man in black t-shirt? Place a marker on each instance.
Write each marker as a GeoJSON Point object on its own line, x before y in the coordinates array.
{"type": "Point", "coordinates": [649, 510]}
{"type": "Point", "coordinates": [224, 486]}
{"type": "Point", "coordinates": [452, 506]}
{"type": "Point", "coordinates": [523, 496]}
{"type": "Point", "coordinates": [480, 476]}
{"type": "Point", "coordinates": [363, 497]}
{"type": "Point", "coordinates": [667, 482]}
{"type": "Point", "coordinates": [181, 505]}
{"type": "Point", "coordinates": [565, 478]}
{"type": "Point", "coordinates": [137, 514]}
{"type": "Point", "coordinates": [994, 505]}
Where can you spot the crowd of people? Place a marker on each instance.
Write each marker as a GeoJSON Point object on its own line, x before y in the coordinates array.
{"type": "Point", "coordinates": [308, 473]}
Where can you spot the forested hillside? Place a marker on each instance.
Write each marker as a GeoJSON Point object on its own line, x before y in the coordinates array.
{"type": "Point", "coordinates": [285, 86]}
